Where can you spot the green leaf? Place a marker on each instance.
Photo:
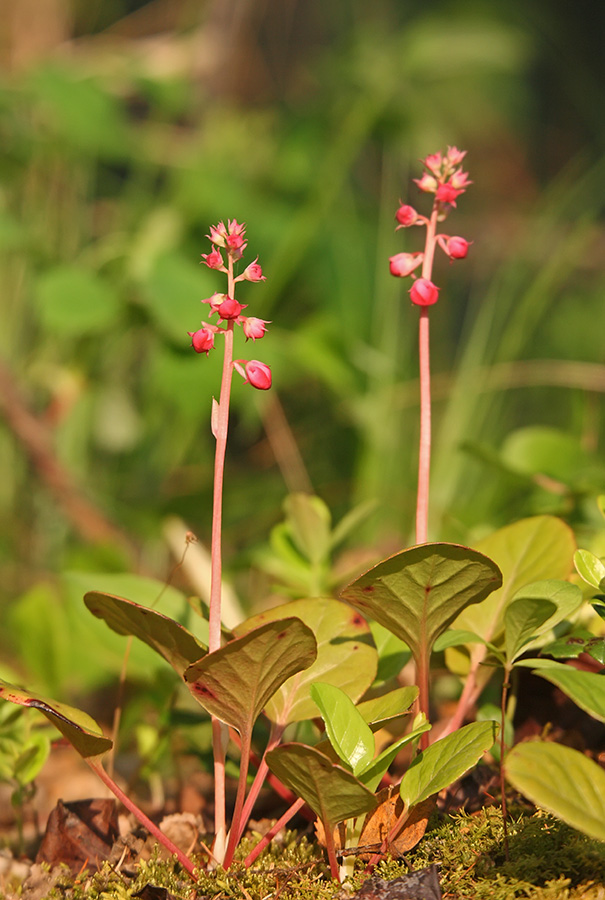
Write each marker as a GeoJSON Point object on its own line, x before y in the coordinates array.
{"type": "Point", "coordinates": [521, 620]}
{"type": "Point", "coordinates": [417, 593]}
{"type": "Point", "coordinates": [393, 653]}
{"type": "Point", "coordinates": [332, 793]}
{"type": "Point", "coordinates": [562, 781]}
{"type": "Point", "coordinates": [590, 568]}
{"type": "Point", "coordinates": [73, 301]}
{"type": "Point", "coordinates": [454, 637]}
{"type": "Point", "coordinates": [347, 731]}
{"type": "Point", "coordinates": [31, 760]}
{"type": "Point", "coordinates": [236, 682]}
{"type": "Point", "coordinates": [372, 775]}
{"type": "Point", "coordinates": [177, 645]}
{"type": "Point", "coordinates": [445, 761]}
{"type": "Point", "coordinates": [586, 689]}
{"type": "Point", "coordinates": [345, 656]}
{"type": "Point", "coordinates": [395, 703]}
{"type": "Point", "coordinates": [78, 727]}
{"type": "Point", "coordinates": [530, 550]}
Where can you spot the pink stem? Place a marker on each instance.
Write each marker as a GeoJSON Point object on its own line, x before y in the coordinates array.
{"type": "Point", "coordinates": [266, 840]}
{"type": "Point", "coordinates": [153, 829]}
{"type": "Point", "coordinates": [259, 779]}
{"type": "Point", "coordinates": [236, 819]}
{"type": "Point", "coordinates": [220, 423]}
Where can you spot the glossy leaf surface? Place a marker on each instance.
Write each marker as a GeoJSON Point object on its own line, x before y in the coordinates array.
{"type": "Point", "coordinates": [177, 645]}
{"type": "Point", "coordinates": [78, 727]}
{"type": "Point", "coordinates": [445, 761]}
{"type": "Point", "coordinates": [345, 656]}
{"type": "Point", "coordinates": [347, 731]}
{"type": "Point", "coordinates": [562, 781]}
{"type": "Point", "coordinates": [236, 682]}
{"type": "Point", "coordinates": [590, 568]}
{"type": "Point", "coordinates": [417, 593]}
{"type": "Point", "coordinates": [332, 793]}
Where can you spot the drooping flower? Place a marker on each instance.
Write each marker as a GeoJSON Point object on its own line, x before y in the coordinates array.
{"type": "Point", "coordinates": [403, 264]}
{"type": "Point", "coordinates": [406, 216]}
{"type": "Point", "coordinates": [213, 260]}
{"type": "Point", "coordinates": [252, 327]}
{"type": "Point", "coordinates": [456, 247]}
{"type": "Point", "coordinates": [447, 193]}
{"type": "Point", "coordinates": [253, 272]}
{"type": "Point", "coordinates": [256, 373]}
{"type": "Point", "coordinates": [202, 340]}
{"type": "Point", "coordinates": [423, 292]}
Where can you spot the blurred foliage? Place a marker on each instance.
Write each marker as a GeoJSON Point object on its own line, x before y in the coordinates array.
{"type": "Point", "coordinates": [305, 120]}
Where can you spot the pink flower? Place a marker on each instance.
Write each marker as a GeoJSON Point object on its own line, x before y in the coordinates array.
{"type": "Point", "coordinates": [455, 156]}
{"type": "Point", "coordinates": [434, 162]}
{"type": "Point", "coordinates": [447, 193]}
{"type": "Point", "coordinates": [460, 180]}
{"type": "Point", "coordinates": [253, 272]}
{"type": "Point", "coordinates": [423, 292]}
{"type": "Point", "coordinates": [456, 247]}
{"type": "Point", "coordinates": [427, 183]}
{"type": "Point", "coordinates": [406, 216]}
{"type": "Point", "coordinates": [253, 328]}
{"type": "Point", "coordinates": [403, 264]}
{"type": "Point", "coordinates": [202, 340]}
{"type": "Point", "coordinates": [215, 301]}
{"type": "Point", "coordinates": [256, 373]}
{"type": "Point", "coordinates": [229, 308]}
{"type": "Point", "coordinates": [218, 234]}
{"type": "Point", "coordinates": [213, 260]}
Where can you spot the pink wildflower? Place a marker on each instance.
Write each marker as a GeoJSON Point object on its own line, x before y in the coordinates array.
{"type": "Point", "coordinates": [427, 183]}
{"type": "Point", "coordinates": [423, 292]}
{"type": "Point", "coordinates": [213, 260]}
{"type": "Point", "coordinates": [202, 340]}
{"type": "Point", "coordinates": [253, 328]}
{"type": "Point", "coordinates": [456, 247]}
{"type": "Point", "coordinates": [256, 373]}
{"type": "Point", "coordinates": [406, 216]}
{"type": "Point", "coordinates": [253, 272]}
{"type": "Point", "coordinates": [403, 264]}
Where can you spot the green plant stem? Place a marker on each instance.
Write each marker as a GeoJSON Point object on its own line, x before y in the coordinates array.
{"type": "Point", "coordinates": [220, 428]}
{"type": "Point", "coordinates": [268, 837]}
{"type": "Point", "coordinates": [153, 829]}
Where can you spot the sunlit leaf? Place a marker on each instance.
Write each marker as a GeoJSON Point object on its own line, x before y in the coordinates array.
{"type": "Point", "coordinates": [521, 620]}
{"type": "Point", "coordinates": [78, 727]}
{"type": "Point", "coordinates": [445, 761]}
{"type": "Point", "coordinates": [561, 780]}
{"type": "Point", "coordinates": [417, 593]}
{"type": "Point", "coordinates": [177, 645]}
{"type": "Point", "coordinates": [586, 689]}
{"type": "Point", "coordinates": [373, 774]}
{"type": "Point", "coordinates": [387, 706]}
{"type": "Point", "coordinates": [332, 793]}
{"type": "Point", "coordinates": [590, 568]}
{"type": "Point", "coordinates": [236, 682]}
{"type": "Point", "coordinates": [345, 655]}
{"type": "Point", "coordinates": [347, 731]}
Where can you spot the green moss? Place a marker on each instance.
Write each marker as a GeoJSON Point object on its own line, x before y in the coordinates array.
{"type": "Point", "coordinates": [548, 860]}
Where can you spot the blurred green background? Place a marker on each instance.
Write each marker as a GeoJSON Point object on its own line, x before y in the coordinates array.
{"type": "Point", "coordinates": [129, 127]}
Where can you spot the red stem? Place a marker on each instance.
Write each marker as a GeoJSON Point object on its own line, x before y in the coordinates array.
{"type": "Point", "coordinates": [266, 840]}
{"type": "Point", "coordinates": [153, 829]}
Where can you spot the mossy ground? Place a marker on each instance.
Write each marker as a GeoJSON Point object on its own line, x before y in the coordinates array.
{"type": "Point", "coordinates": [548, 861]}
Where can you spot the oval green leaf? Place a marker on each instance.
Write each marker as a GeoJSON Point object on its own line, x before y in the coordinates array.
{"type": "Point", "coordinates": [562, 781]}
{"type": "Point", "coordinates": [445, 761]}
{"type": "Point", "coordinates": [586, 689]}
{"type": "Point", "coordinates": [345, 656]}
{"type": "Point", "coordinates": [236, 682]}
{"type": "Point", "coordinates": [177, 645]}
{"type": "Point", "coordinates": [332, 793]}
{"type": "Point", "coordinates": [379, 710]}
{"type": "Point", "coordinates": [418, 593]}
{"type": "Point", "coordinates": [590, 568]}
{"type": "Point", "coordinates": [78, 727]}
{"type": "Point", "coordinates": [347, 731]}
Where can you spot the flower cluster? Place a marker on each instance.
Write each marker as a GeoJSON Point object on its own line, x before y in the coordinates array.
{"type": "Point", "coordinates": [443, 177]}
{"type": "Point", "coordinates": [231, 239]}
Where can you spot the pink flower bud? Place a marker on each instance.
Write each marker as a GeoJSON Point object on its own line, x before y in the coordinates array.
{"type": "Point", "coordinates": [423, 292]}
{"type": "Point", "coordinates": [218, 234]}
{"type": "Point", "coordinates": [229, 308]}
{"type": "Point", "coordinates": [455, 156]}
{"type": "Point", "coordinates": [427, 183]}
{"type": "Point", "coordinates": [256, 373]}
{"type": "Point", "coordinates": [403, 264]}
{"type": "Point", "coordinates": [406, 216]}
{"type": "Point", "coordinates": [456, 247]}
{"type": "Point", "coordinates": [447, 193]}
{"type": "Point", "coordinates": [202, 340]}
{"type": "Point", "coordinates": [253, 272]}
{"type": "Point", "coordinates": [460, 180]}
{"type": "Point", "coordinates": [253, 328]}
{"type": "Point", "coordinates": [434, 162]}
{"type": "Point", "coordinates": [213, 260]}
